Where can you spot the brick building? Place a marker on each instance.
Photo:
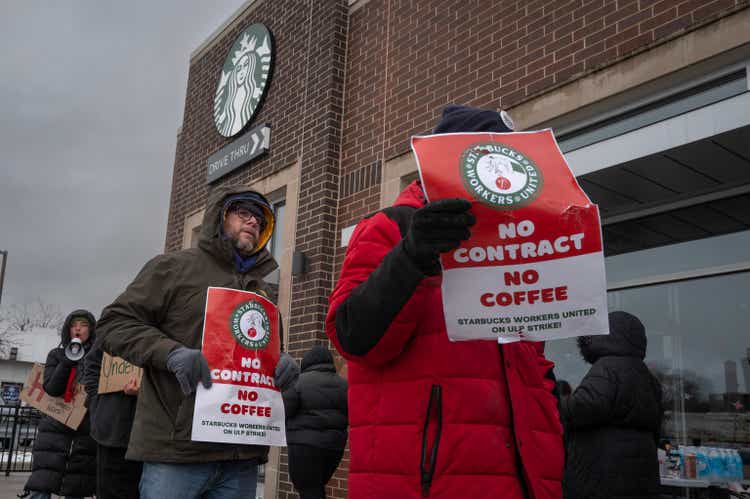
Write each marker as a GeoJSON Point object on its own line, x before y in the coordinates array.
{"type": "Point", "coordinates": [649, 100]}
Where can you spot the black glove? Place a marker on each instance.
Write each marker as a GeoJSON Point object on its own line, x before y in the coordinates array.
{"type": "Point", "coordinates": [189, 366]}
{"type": "Point", "coordinates": [437, 227]}
{"type": "Point", "coordinates": [286, 373]}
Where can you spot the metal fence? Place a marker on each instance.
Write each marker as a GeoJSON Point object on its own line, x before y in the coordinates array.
{"type": "Point", "coordinates": [18, 427]}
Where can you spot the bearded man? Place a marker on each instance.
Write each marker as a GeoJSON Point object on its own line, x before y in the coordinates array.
{"type": "Point", "coordinates": [157, 323]}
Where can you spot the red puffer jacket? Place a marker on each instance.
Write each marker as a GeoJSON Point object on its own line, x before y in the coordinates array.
{"type": "Point", "coordinates": [428, 417]}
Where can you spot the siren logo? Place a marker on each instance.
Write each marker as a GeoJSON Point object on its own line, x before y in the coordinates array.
{"type": "Point", "coordinates": [250, 325]}
{"type": "Point", "coordinates": [244, 79]}
{"type": "Point", "coordinates": [499, 176]}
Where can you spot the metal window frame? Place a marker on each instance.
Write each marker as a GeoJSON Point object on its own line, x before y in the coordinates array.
{"type": "Point", "coordinates": [705, 88]}
{"type": "Point", "coordinates": [275, 198]}
{"type": "Point", "coordinates": [651, 99]}
{"type": "Point", "coordinates": [726, 83]}
{"type": "Point", "coordinates": [657, 208]}
{"type": "Point", "coordinates": [689, 275]}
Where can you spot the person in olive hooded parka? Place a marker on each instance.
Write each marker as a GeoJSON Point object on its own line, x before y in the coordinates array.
{"type": "Point", "coordinates": [64, 459]}
{"type": "Point", "coordinates": [612, 420]}
{"type": "Point", "coordinates": [157, 324]}
{"type": "Point", "coordinates": [315, 406]}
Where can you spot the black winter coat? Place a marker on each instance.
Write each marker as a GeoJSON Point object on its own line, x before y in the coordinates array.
{"type": "Point", "coordinates": [612, 420]}
{"type": "Point", "coordinates": [64, 460]}
{"type": "Point", "coordinates": [111, 413]}
{"type": "Point", "coordinates": [316, 405]}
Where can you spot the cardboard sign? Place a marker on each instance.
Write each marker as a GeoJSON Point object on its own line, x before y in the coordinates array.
{"type": "Point", "coordinates": [533, 268]}
{"type": "Point", "coordinates": [69, 413]}
{"type": "Point", "coordinates": [242, 346]}
{"type": "Point", "coordinates": [116, 372]}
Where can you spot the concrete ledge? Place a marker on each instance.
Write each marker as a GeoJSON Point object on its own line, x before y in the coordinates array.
{"type": "Point", "coordinates": [685, 51]}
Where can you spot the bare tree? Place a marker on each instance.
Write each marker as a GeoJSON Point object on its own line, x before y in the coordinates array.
{"type": "Point", "coordinates": [31, 315]}
{"type": "Point", "coordinates": [16, 320]}
{"type": "Point", "coordinates": [9, 338]}
{"type": "Point", "coordinates": [47, 315]}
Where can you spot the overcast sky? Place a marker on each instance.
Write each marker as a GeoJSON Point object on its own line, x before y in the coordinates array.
{"type": "Point", "coordinates": [91, 96]}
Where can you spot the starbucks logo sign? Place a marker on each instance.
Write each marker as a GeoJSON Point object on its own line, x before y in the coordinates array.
{"type": "Point", "coordinates": [250, 325]}
{"type": "Point", "coordinates": [499, 176]}
{"type": "Point", "coordinates": [243, 80]}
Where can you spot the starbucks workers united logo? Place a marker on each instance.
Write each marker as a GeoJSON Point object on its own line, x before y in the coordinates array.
{"type": "Point", "coordinates": [243, 80]}
{"type": "Point", "coordinates": [250, 325]}
{"type": "Point", "coordinates": [499, 176]}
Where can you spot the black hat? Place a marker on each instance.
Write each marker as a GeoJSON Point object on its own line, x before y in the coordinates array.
{"type": "Point", "coordinates": [457, 119]}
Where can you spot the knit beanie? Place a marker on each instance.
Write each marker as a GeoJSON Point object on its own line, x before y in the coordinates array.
{"type": "Point", "coordinates": [457, 119]}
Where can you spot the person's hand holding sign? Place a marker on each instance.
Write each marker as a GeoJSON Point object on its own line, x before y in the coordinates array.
{"type": "Point", "coordinates": [189, 367]}
{"type": "Point", "coordinates": [132, 387]}
{"type": "Point", "coordinates": [437, 227]}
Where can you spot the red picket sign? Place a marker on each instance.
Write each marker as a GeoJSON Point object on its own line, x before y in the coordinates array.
{"type": "Point", "coordinates": [533, 268]}
{"type": "Point", "coordinates": [241, 343]}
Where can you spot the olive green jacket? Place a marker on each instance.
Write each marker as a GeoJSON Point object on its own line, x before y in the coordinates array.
{"type": "Point", "coordinates": [163, 309]}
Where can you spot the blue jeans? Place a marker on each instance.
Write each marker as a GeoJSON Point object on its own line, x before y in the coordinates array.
{"type": "Point", "coordinates": [46, 495]}
{"type": "Point", "coordinates": [220, 480]}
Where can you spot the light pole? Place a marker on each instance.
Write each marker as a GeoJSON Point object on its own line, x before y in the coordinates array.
{"type": "Point", "coordinates": [2, 273]}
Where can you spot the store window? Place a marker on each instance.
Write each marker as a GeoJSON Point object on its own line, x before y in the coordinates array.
{"type": "Point", "coordinates": [683, 269]}
{"type": "Point", "coordinates": [698, 341]}
{"type": "Point", "coordinates": [195, 236]}
{"type": "Point", "coordinates": [274, 245]}
{"type": "Point", "coordinates": [671, 177]}
{"type": "Point", "coordinates": [676, 229]}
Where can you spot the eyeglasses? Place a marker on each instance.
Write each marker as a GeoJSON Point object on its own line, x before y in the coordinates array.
{"type": "Point", "coordinates": [246, 214]}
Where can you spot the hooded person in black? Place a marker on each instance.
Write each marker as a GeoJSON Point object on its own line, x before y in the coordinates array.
{"type": "Point", "coordinates": [64, 458]}
{"type": "Point", "coordinates": [111, 417]}
{"type": "Point", "coordinates": [612, 420]}
{"type": "Point", "coordinates": [316, 420]}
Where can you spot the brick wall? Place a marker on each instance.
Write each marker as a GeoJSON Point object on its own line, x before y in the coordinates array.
{"type": "Point", "coordinates": [285, 107]}
{"type": "Point", "coordinates": [303, 106]}
{"type": "Point", "coordinates": [318, 197]}
{"type": "Point", "coordinates": [409, 58]}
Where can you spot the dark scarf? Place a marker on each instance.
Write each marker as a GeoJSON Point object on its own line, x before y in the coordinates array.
{"type": "Point", "coordinates": [244, 264]}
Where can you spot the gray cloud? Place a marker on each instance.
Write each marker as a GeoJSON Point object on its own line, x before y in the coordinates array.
{"type": "Point", "coordinates": [91, 97]}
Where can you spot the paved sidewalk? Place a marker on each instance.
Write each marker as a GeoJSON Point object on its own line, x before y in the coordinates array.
{"type": "Point", "coordinates": [12, 485]}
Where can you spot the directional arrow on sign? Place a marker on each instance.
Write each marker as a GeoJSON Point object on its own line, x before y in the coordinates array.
{"type": "Point", "coordinates": [256, 141]}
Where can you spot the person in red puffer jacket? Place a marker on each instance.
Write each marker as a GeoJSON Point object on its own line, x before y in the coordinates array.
{"type": "Point", "coordinates": [430, 417]}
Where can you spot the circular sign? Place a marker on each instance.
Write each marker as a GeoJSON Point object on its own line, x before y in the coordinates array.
{"type": "Point", "coordinates": [250, 325]}
{"type": "Point", "coordinates": [244, 80]}
{"type": "Point", "coordinates": [499, 176]}
{"type": "Point", "coordinates": [11, 393]}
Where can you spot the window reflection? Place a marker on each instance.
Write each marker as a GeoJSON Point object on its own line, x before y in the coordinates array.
{"type": "Point", "coordinates": [274, 244]}
{"type": "Point", "coordinates": [700, 254]}
{"type": "Point", "coordinates": [699, 349]}
{"type": "Point", "coordinates": [698, 340]}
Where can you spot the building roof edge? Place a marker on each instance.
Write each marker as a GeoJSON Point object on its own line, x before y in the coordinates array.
{"type": "Point", "coordinates": [214, 36]}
